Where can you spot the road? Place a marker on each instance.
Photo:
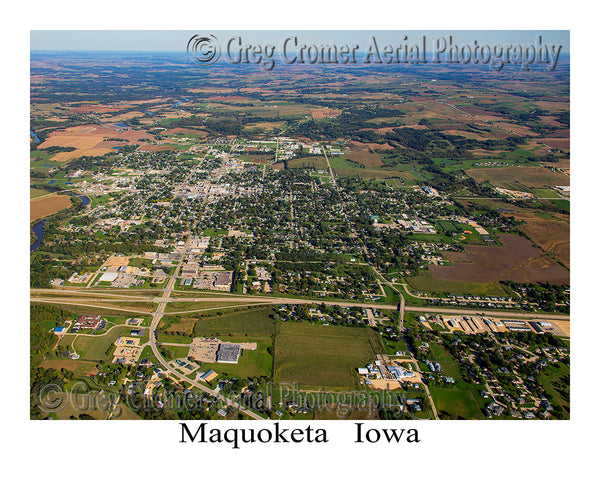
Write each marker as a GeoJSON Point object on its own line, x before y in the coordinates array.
{"type": "Point", "coordinates": [330, 169]}
{"type": "Point", "coordinates": [433, 409]}
{"type": "Point", "coordinates": [156, 317]}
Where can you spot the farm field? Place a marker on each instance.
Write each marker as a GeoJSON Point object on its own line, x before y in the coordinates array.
{"type": "Point", "coordinates": [48, 205]}
{"type": "Point", "coordinates": [253, 322]}
{"type": "Point", "coordinates": [38, 192]}
{"type": "Point", "coordinates": [90, 140]}
{"type": "Point", "coordinates": [545, 193]}
{"type": "Point", "coordinates": [361, 153]}
{"type": "Point", "coordinates": [517, 259]}
{"type": "Point", "coordinates": [511, 177]}
{"type": "Point", "coordinates": [346, 168]}
{"type": "Point", "coordinates": [550, 232]}
{"type": "Point", "coordinates": [318, 163]}
{"type": "Point", "coordinates": [426, 282]}
{"type": "Point", "coordinates": [316, 356]}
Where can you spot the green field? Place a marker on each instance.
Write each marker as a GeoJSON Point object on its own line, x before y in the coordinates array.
{"type": "Point", "coordinates": [253, 322]}
{"type": "Point", "coordinates": [345, 168]}
{"type": "Point", "coordinates": [555, 380]}
{"type": "Point", "coordinates": [177, 352]}
{"type": "Point", "coordinates": [318, 163]}
{"type": "Point", "coordinates": [564, 204]}
{"type": "Point", "coordinates": [140, 262]}
{"type": "Point", "coordinates": [96, 348]}
{"type": "Point", "coordinates": [545, 193]}
{"type": "Point", "coordinates": [190, 306]}
{"type": "Point", "coordinates": [38, 192]}
{"type": "Point", "coordinates": [102, 309]}
{"type": "Point", "coordinates": [424, 282]}
{"type": "Point", "coordinates": [316, 356]}
{"type": "Point", "coordinates": [448, 226]}
{"type": "Point", "coordinates": [442, 356]}
{"type": "Point", "coordinates": [459, 403]}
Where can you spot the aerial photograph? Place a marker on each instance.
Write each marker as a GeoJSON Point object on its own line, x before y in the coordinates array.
{"type": "Point", "coordinates": [300, 225]}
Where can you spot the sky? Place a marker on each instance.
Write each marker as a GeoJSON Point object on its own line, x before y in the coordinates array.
{"type": "Point", "coordinates": [176, 40]}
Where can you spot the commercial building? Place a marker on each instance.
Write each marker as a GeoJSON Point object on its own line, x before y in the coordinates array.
{"type": "Point", "coordinates": [93, 322]}
{"type": "Point", "coordinates": [228, 353]}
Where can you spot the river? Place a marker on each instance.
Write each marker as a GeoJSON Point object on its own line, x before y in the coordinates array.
{"type": "Point", "coordinates": [38, 230]}
{"type": "Point", "coordinates": [85, 201]}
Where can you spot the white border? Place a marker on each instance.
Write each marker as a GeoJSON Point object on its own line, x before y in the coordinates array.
{"type": "Point", "coordinates": [150, 449]}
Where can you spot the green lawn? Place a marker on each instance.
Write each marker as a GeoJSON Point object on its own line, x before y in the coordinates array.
{"type": "Point", "coordinates": [178, 352]}
{"type": "Point", "coordinates": [95, 348]}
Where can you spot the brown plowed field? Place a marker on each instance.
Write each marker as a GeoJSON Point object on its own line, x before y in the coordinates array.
{"type": "Point", "coordinates": [551, 234]}
{"type": "Point", "coordinates": [361, 153]}
{"type": "Point", "coordinates": [88, 140]}
{"type": "Point", "coordinates": [318, 113]}
{"type": "Point", "coordinates": [560, 143]}
{"type": "Point", "coordinates": [44, 206]}
{"type": "Point", "coordinates": [517, 259]}
{"type": "Point", "coordinates": [528, 176]}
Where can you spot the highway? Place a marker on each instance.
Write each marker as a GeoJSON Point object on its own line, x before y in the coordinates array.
{"type": "Point", "coordinates": [258, 300]}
